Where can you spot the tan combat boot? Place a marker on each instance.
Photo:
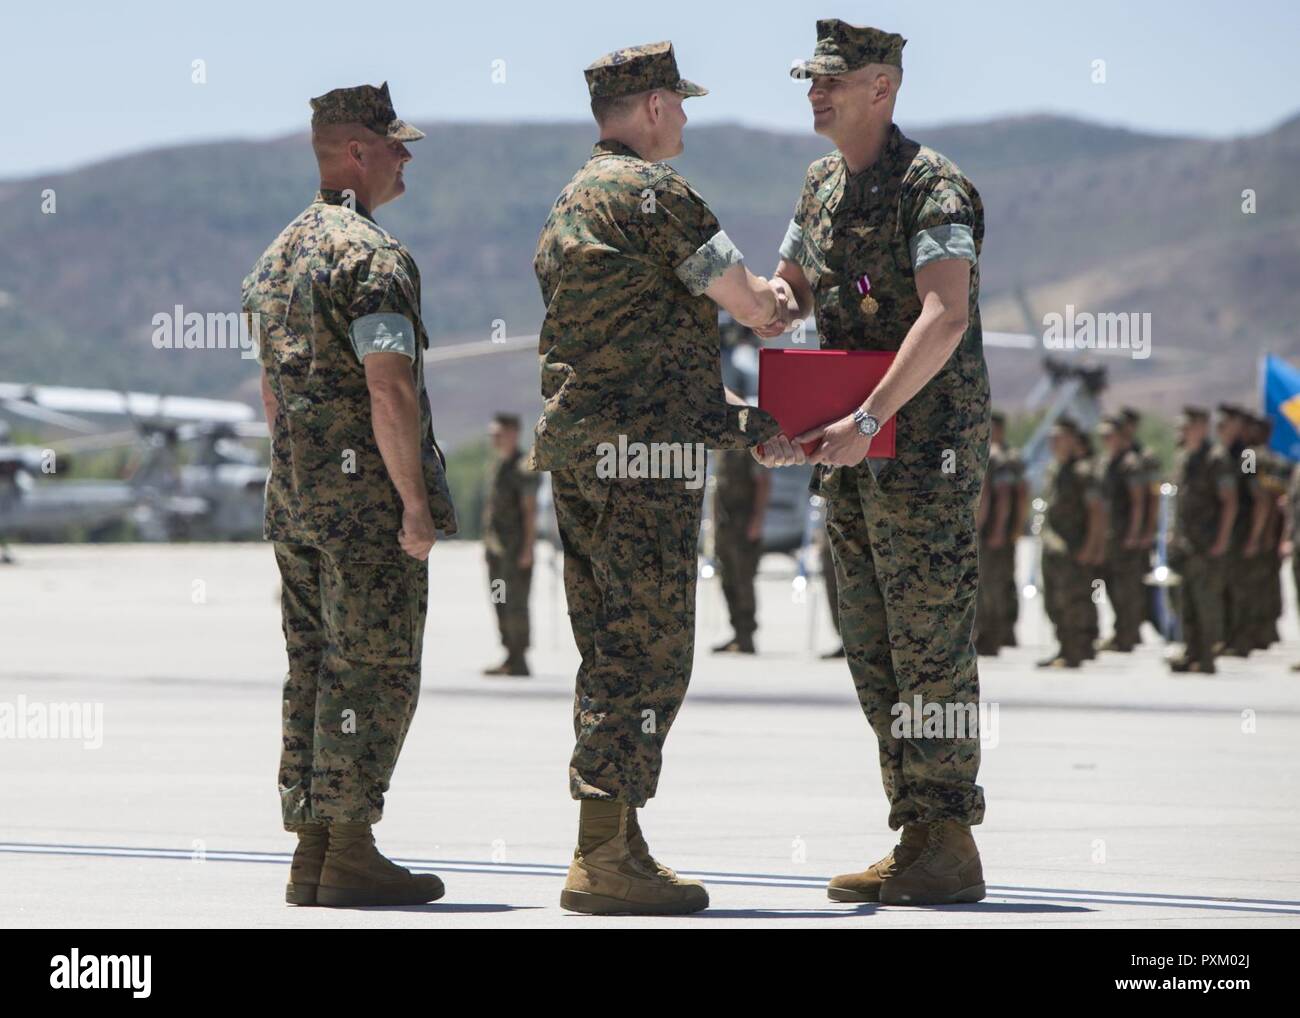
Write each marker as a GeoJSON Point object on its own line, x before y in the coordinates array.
{"type": "Point", "coordinates": [355, 873]}
{"type": "Point", "coordinates": [607, 877]}
{"type": "Point", "coordinates": [304, 871]}
{"type": "Point", "coordinates": [865, 886]}
{"type": "Point", "coordinates": [948, 871]}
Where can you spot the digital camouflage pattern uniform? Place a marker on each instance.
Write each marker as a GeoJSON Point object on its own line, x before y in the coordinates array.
{"type": "Point", "coordinates": [509, 484]}
{"type": "Point", "coordinates": [1238, 593]}
{"type": "Point", "coordinates": [630, 347]}
{"type": "Point", "coordinates": [902, 531]}
{"type": "Point", "coordinates": [998, 594]}
{"type": "Point", "coordinates": [1070, 489]}
{"type": "Point", "coordinates": [1203, 476]}
{"type": "Point", "coordinates": [333, 286]}
{"type": "Point", "coordinates": [1124, 567]}
{"type": "Point", "coordinates": [1293, 512]}
{"type": "Point", "coordinates": [736, 472]}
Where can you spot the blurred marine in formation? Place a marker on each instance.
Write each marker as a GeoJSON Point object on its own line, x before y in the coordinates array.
{"type": "Point", "coordinates": [1073, 542]}
{"type": "Point", "coordinates": [633, 266]}
{"type": "Point", "coordinates": [356, 494]}
{"type": "Point", "coordinates": [1124, 489]}
{"type": "Point", "coordinates": [1203, 525]}
{"type": "Point", "coordinates": [1003, 505]}
{"type": "Point", "coordinates": [509, 534]}
{"type": "Point", "coordinates": [739, 504]}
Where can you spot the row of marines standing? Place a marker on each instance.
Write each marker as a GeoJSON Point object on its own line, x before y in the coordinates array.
{"type": "Point", "coordinates": [1236, 508]}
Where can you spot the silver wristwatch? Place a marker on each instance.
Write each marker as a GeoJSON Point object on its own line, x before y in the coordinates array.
{"type": "Point", "coordinates": [867, 424]}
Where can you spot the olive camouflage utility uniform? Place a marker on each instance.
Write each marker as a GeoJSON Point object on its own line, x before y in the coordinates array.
{"type": "Point", "coordinates": [1238, 566]}
{"type": "Point", "coordinates": [903, 531]}
{"type": "Point", "coordinates": [733, 507]}
{"type": "Point", "coordinates": [1293, 511]}
{"type": "Point", "coordinates": [510, 483]}
{"type": "Point", "coordinates": [998, 596]}
{"type": "Point", "coordinates": [630, 353]}
{"type": "Point", "coordinates": [1204, 478]}
{"type": "Point", "coordinates": [1124, 567]}
{"type": "Point", "coordinates": [331, 288]}
{"type": "Point", "coordinates": [1070, 490]}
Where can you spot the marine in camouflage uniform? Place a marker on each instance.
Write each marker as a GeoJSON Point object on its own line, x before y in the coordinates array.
{"type": "Point", "coordinates": [1240, 565]}
{"type": "Point", "coordinates": [902, 531]}
{"type": "Point", "coordinates": [630, 353]}
{"type": "Point", "coordinates": [1204, 515]}
{"type": "Point", "coordinates": [999, 511]}
{"type": "Point", "coordinates": [333, 289]}
{"type": "Point", "coordinates": [1265, 604]}
{"type": "Point", "coordinates": [509, 515]}
{"type": "Point", "coordinates": [739, 503]}
{"type": "Point", "coordinates": [1152, 469]}
{"type": "Point", "coordinates": [1124, 489]}
{"type": "Point", "coordinates": [1072, 542]}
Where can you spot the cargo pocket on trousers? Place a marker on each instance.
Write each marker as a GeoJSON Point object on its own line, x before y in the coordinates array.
{"type": "Point", "coordinates": [371, 613]}
{"type": "Point", "coordinates": [934, 551]}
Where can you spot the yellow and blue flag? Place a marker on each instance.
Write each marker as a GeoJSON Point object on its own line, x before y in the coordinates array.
{"type": "Point", "coordinates": [1281, 384]}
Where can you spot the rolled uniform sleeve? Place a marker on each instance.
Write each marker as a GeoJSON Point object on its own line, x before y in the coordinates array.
{"type": "Point", "coordinates": [682, 232]}
{"type": "Point", "coordinates": [944, 224]}
{"type": "Point", "coordinates": [384, 306]}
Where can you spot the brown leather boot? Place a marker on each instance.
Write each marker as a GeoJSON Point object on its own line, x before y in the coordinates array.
{"type": "Point", "coordinates": [304, 871]}
{"type": "Point", "coordinates": [947, 872]}
{"type": "Point", "coordinates": [356, 874]}
{"type": "Point", "coordinates": [865, 886]}
{"type": "Point", "coordinates": [607, 877]}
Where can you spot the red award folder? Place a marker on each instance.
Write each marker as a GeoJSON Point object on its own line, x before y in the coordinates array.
{"type": "Point", "coordinates": [805, 388]}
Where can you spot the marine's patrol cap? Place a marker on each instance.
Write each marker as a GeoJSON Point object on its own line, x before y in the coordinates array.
{"type": "Point", "coordinates": [1229, 410]}
{"type": "Point", "coordinates": [506, 420]}
{"type": "Point", "coordinates": [1110, 424]}
{"type": "Point", "coordinates": [364, 104]}
{"type": "Point", "coordinates": [1193, 414]}
{"type": "Point", "coordinates": [1131, 416]}
{"type": "Point", "coordinates": [997, 417]}
{"type": "Point", "coordinates": [638, 69]}
{"type": "Point", "coordinates": [842, 47]}
{"type": "Point", "coordinates": [1069, 425]}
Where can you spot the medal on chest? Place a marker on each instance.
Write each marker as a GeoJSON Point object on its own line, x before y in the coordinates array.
{"type": "Point", "coordinates": [868, 302]}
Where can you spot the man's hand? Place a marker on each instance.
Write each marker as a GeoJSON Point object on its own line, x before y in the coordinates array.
{"type": "Point", "coordinates": [418, 533]}
{"type": "Point", "coordinates": [842, 444]}
{"type": "Point", "coordinates": [755, 529]}
{"type": "Point", "coordinates": [779, 452]}
{"type": "Point", "coordinates": [1218, 549]}
{"type": "Point", "coordinates": [525, 560]}
{"type": "Point", "coordinates": [787, 309]}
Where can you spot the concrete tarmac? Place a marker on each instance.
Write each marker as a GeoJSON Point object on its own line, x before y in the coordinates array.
{"type": "Point", "coordinates": [1118, 796]}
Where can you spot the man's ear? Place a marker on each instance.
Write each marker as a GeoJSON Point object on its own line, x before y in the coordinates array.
{"type": "Point", "coordinates": [356, 152]}
{"type": "Point", "coordinates": [655, 106]}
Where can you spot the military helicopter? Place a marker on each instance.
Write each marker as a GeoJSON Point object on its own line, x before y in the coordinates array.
{"type": "Point", "coordinates": [192, 476]}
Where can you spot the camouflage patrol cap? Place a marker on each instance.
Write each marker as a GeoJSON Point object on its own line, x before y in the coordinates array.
{"type": "Point", "coordinates": [638, 69]}
{"type": "Point", "coordinates": [1229, 410]}
{"type": "Point", "coordinates": [363, 104]}
{"type": "Point", "coordinates": [998, 417]}
{"type": "Point", "coordinates": [505, 420]}
{"type": "Point", "coordinates": [1068, 424]}
{"type": "Point", "coordinates": [842, 47]}
{"type": "Point", "coordinates": [1193, 413]}
{"type": "Point", "coordinates": [1110, 424]}
{"type": "Point", "coordinates": [1131, 415]}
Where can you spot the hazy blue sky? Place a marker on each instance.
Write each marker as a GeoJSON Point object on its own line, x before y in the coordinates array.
{"type": "Point", "coordinates": [87, 80]}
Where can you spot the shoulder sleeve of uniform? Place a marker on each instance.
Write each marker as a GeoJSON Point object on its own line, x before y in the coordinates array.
{"type": "Point", "coordinates": [681, 231]}
{"type": "Point", "coordinates": [384, 304]}
{"type": "Point", "coordinates": [792, 245]}
{"type": "Point", "coordinates": [941, 220]}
